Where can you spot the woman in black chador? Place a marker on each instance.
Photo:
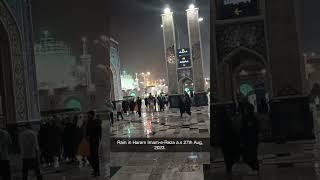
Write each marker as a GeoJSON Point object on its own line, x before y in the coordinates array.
{"type": "Point", "coordinates": [250, 137]}
{"type": "Point", "coordinates": [228, 138]}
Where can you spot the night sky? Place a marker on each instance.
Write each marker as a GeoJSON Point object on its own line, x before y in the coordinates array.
{"type": "Point", "coordinates": [136, 25]}
{"type": "Point", "coordinates": [69, 20]}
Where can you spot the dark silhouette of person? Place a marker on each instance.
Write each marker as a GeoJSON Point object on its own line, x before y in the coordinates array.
{"type": "Point", "coordinates": [111, 113]}
{"type": "Point", "coordinates": [125, 106]}
{"type": "Point", "coordinates": [5, 142]}
{"type": "Point", "coordinates": [228, 138]}
{"type": "Point", "coordinates": [54, 141]}
{"type": "Point", "coordinates": [161, 101]}
{"type": "Point", "coordinates": [119, 111]}
{"type": "Point", "coordinates": [29, 146]}
{"type": "Point", "coordinates": [43, 143]}
{"type": "Point", "coordinates": [132, 105]}
{"type": "Point", "coordinates": [139, 104]}
{"type": "Point", "coordinates": [185, 104]}
{"type": "Point", "coordinates": [188, 103]}
{"type": "Point", "coordinates": [250, 136]}
{"type": "Point", "coordinates": [182, 105]}
{"type": "Point", "coordinates": [69, 139]}
{"type": "Point", "coordinates": [155, 103]}
{"type": "Point", "coordinates": [94, 137]}
{"type": "Point", "coordinates": [146, 102]}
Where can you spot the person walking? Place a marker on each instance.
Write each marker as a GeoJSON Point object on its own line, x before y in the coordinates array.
{"type": "Point", "coordinates": [155, 103]}
{"type": "Point", "coordinates": [188, 104]}
{"type": "Point", "coordinates": [139, 104]}
{"type": "Point", "coordinates": [111, 113]}
{"type": "Point", "coordinates": [119, 111]}
{"type": "Point", "coordinates": [182, 105]}
{"type": "Point", "coordinates": [94, 136]}
{"type": "Point", "coordinates": [29, 147]}
{"type": "Point", "coordinates": [146, 103]}
{"type": "Point", "coordinates": [5, 142]}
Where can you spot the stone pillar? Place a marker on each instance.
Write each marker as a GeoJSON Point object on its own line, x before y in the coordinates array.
{"type": "Point", "coordinates": [169, 40]}
{"type": "Point", "coordinates": [196, 56]}
{"type": "Point", "coordinates": [104, 151]}
{"type": "Point", "coordinates": [85, 60]}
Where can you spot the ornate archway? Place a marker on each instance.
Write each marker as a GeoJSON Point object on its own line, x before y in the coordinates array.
{"type": "Point", "coordinates": [244, 66]}
{"type": "Point", "coordinates": [73, 103]}
{"type": "Point", "coordinates": [186, 84]}
{"type": "Point", "coordinates": [12, 59]}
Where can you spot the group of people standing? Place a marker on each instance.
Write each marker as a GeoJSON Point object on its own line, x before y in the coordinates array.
{"type": "Point", "coordinates": [151, 102]}
{"type": "Point", "coordinates": [123, 108]}
{"type": "Point", "coordinates": [239, 135]}
{"type": "Point", "coordinates": [135, 106]}
{"type": "Point", "coordinates": [73, 139]}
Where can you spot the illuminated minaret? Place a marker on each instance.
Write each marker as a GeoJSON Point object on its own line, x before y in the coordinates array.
{"type": "Point", "coordinates": [196, 48]}
{"type": "Point", "coordinates": [169, 40]}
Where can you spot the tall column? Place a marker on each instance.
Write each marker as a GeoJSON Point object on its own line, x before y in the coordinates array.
{"type": "Point", "coordinates": [196, 48]}
{"type": "Point", "coordinates": [170, 51]}
{"type": "Point", "coordinates": [86, 62]}
{"type": "Point", "coordinates": [169, 40]}
{"type": "Point", "coordinates": [196, 55]}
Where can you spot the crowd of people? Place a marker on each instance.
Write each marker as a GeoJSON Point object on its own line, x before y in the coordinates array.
{"type": "Point", "coordinates": [70, 139]}
{"type": "Point", "coordinates": [132, 106]}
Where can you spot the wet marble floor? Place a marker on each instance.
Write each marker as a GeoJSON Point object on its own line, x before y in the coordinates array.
{"type": "Point", "coordinates": [159, 166]}
{"type": "Point", "coordinates": [163, 124]}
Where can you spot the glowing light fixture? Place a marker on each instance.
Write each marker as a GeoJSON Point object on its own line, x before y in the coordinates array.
{"type": "Point", "coordinates": [161, 25]}
{"type": "Point", "coordinates": [167, 10]}
{"type": "Point", "coordinates": [191, 6]}
{"type": "Point", "coordinates": [200, 19]}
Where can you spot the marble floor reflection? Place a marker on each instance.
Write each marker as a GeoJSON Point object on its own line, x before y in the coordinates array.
{"type": "Point", "coordinates": [163, 124]}
{"type": "Point", "coordinates": [159, 166]}
{"type": "Point", "coordinates": [289, 161]}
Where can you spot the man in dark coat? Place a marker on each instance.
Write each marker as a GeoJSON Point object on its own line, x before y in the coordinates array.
{"type": "Point", "coordinates": [94, 137]}
{"type": "Point", "coordinates": [139, 104]}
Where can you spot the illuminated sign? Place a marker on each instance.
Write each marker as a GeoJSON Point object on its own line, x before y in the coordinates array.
{"type": "Point", "coordinates": [184, 58]}
{"type": "Point", "coordinates": [238, 8]}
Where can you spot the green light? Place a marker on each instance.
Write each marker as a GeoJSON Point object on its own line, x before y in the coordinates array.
{"type": "Point", "coordinates": [73, 104]}
{"type": "Point", "coordinates": [245, 89]}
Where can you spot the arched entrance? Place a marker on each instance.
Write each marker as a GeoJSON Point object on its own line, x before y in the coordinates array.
{"type": "Point", "coordinates": [73, 103]}
{"type": "Point", "coordinates": [186, 85]}
{"type": "Point", "coordinates": [6, 90]}
{"type": "Point", "coordinates": [248, 72]}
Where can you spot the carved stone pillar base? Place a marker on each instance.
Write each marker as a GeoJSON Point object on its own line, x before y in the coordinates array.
{"type": "Point", "coordinates": [174, 100]}
{"type": "Point", "coordinates": [201, 99]}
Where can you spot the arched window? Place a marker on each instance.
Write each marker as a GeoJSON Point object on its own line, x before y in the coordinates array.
{"type": "Point", "coordinates": [73, 104]}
